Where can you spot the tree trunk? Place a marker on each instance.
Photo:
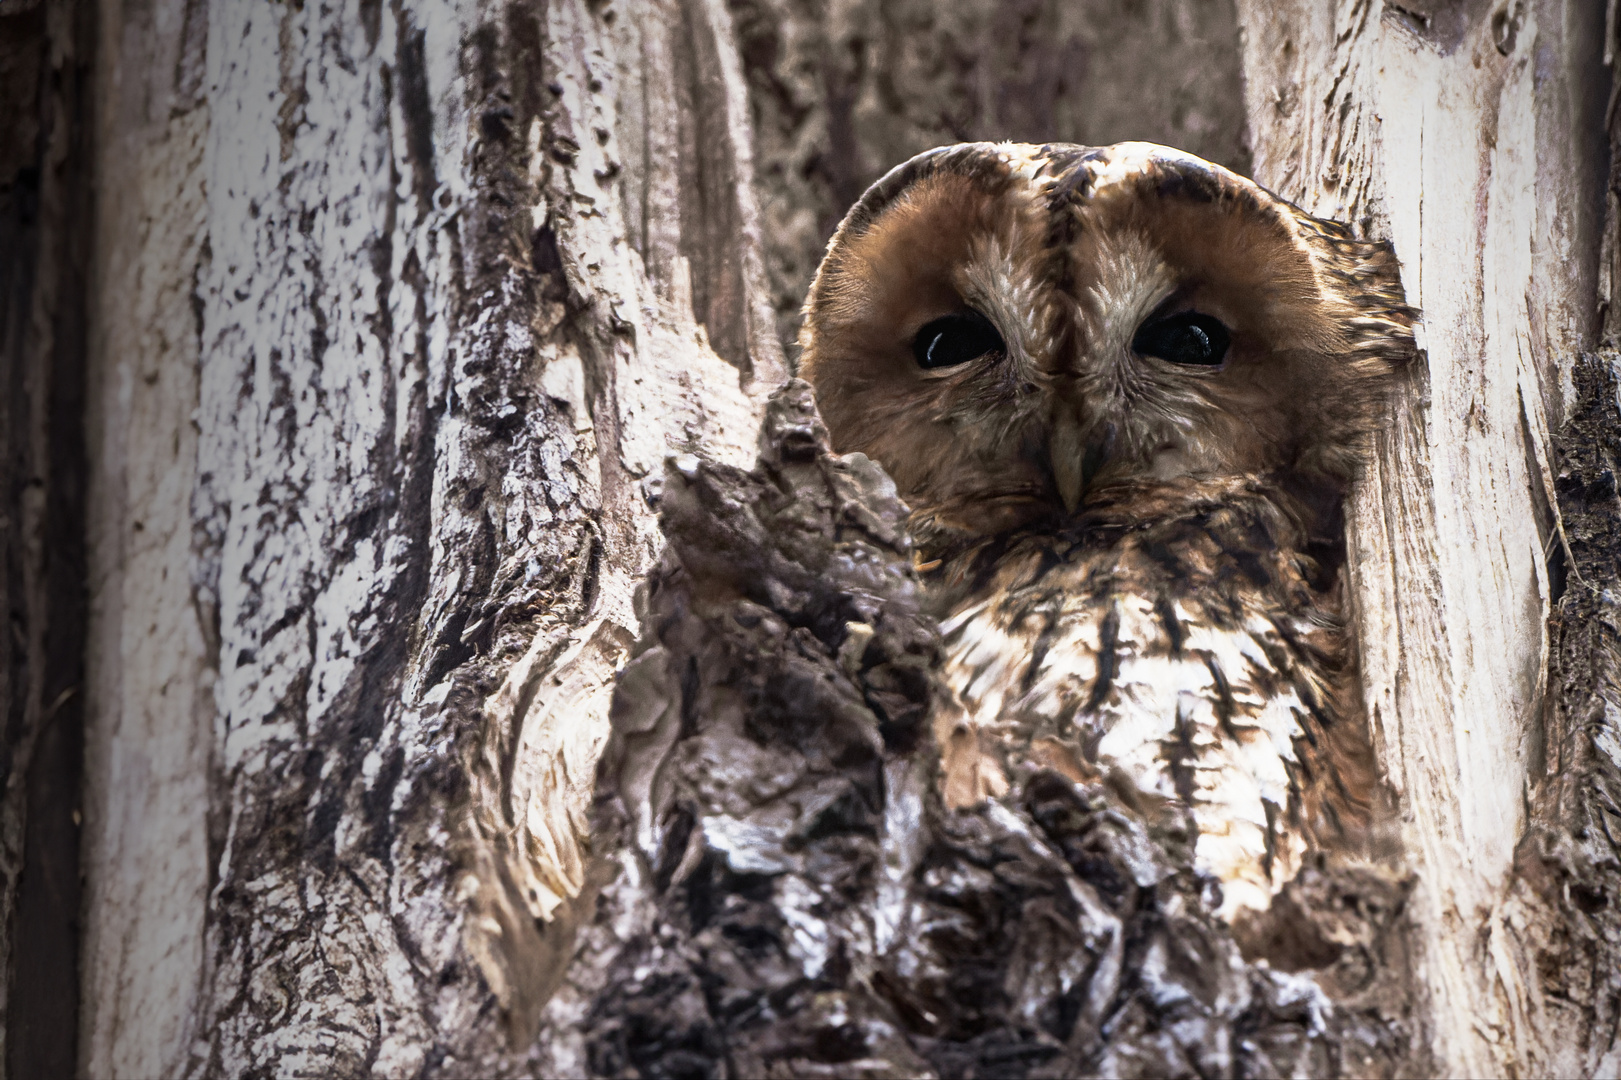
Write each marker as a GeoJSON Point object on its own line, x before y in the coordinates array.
{"type": "Point", "coordinates": [1472, 137]}
{"type": "Point", "coordinates": [399, 313]}
{"type": "Point", "coordinates": [344, 350]}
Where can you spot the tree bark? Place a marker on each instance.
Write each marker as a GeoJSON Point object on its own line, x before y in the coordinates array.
{"type": "Point", "coordinates": [785, 892]}
{"type": "Point", "coordinates": [345, 351]}
{"type": "Point", "coordinates": [406, 312]}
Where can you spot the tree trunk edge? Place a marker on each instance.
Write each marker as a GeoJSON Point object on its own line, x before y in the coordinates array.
{"type": "Point", "coordinates": [1563, 911]}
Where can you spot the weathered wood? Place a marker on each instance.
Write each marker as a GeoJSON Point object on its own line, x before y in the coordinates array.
{"type": "Point", "coordinates": [388, 366]}
{"type": "Point", "coordinates": [1469, 136]}
{"type": "Point", "coordinates": [151, 671]}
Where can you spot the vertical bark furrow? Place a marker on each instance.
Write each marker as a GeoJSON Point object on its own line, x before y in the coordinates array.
{"type": "Point", "coordinates": [26, 46]}
{"type": "Point", "coordinates": [1563, 912]}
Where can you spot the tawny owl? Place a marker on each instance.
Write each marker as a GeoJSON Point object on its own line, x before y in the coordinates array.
{"type": "Point", "coordinates": [1124, 392]}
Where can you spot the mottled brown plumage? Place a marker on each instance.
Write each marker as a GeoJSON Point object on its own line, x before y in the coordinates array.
{"type": "Point", "coordinates": [1128, 499]}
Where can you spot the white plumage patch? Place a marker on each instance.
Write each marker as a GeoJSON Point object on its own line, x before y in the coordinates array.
{"type": "Point", "coordinates": [1209, 720]}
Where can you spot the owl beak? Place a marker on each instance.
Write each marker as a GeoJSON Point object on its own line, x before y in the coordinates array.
{"type": "Point", "coordinates": [1076, 459]}
{"type": "Point", "coordinates": [1068, 450]}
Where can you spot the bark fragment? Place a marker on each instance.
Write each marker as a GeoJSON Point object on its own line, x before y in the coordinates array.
{"type": "Point", "coordinates": [1563, 912]}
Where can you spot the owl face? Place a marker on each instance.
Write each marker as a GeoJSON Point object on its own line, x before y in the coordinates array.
{"type": "Point", "coordinates": [1014, 331]}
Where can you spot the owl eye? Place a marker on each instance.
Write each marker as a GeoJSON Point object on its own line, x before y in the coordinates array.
{"type": "Point", "coordinates": [1184, 338]}
{"type": "Point", "coordinates": [955, 339]}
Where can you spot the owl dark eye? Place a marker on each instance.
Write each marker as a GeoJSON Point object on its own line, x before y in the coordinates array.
{"type": "Point", "coordinates": [955, 339]}
{"type": "Point", "coordinates": [1184, 338]}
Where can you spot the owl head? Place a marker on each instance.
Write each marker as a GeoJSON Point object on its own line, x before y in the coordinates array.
{"type": "Point", "coordinates": [1016, 331]}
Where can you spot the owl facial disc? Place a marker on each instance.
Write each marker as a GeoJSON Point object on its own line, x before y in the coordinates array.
{"type": "Point", "coordinates": [1017, 332]}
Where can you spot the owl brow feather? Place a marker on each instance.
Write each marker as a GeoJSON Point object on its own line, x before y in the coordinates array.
{"type": "Point", "coordinates": [1009, 293]}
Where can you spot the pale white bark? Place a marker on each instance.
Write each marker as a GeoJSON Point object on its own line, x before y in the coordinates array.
{"type": "Point", "coordinates": [390, 328]}
{"type": "Point", "coordinates": [150, 672]}
{"type": "Point", "coordinates": [1471, 139]}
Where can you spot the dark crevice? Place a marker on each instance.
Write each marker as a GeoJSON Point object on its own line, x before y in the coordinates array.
{"type": "Point", "coordinates": [43, 999]}
{"type": "Point", "coordinates": [417, 110]}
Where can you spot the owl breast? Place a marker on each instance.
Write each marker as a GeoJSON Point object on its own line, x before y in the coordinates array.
{"type": "Point", "coordinates": [1176, 648]}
